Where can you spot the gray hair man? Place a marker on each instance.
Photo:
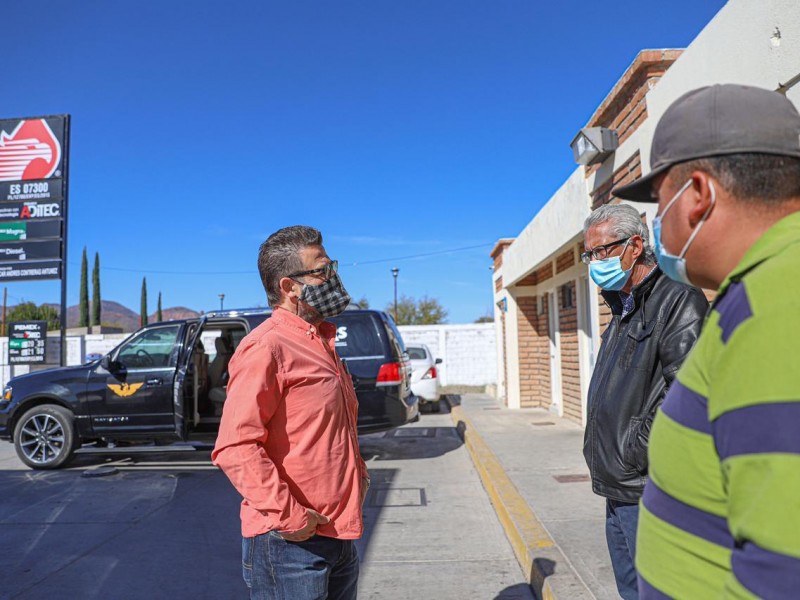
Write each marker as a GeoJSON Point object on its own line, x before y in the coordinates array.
{"type": "Point", "coordinates": [655, 322]}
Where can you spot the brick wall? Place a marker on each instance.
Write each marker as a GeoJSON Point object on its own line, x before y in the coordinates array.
{"type": "Point", "coordinates": [570, 367]}
{"type": "Point", "coordinates": [565, 261]}
{"type": "Point", "coordinates": [632, 169]}
{"type": "Point", "coordinates": [538, 276]}
{"type": "Point", "coordinates": [534, 353]}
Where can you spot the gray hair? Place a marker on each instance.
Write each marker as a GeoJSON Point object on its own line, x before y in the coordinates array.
{"type": "Point", "coordinates": [624, 221]}
{"type": "Point", "coordinates": [279, 256]}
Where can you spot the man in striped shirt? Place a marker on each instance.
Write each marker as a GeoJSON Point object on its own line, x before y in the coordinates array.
{"type": "Point", "coordinates": [720, 516]}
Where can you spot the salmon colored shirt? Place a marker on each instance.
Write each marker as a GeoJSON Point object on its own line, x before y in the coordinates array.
{"type": "Point", "coordinates": [287, 439]}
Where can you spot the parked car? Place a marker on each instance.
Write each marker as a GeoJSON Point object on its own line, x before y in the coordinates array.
{"type": "Point", "coordinates": [161, 385]}
{"type": "Point", "coordinates": [424, 376]}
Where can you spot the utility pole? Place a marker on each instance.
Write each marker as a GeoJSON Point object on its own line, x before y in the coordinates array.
{"type": "Point", "coordinates": [5, 297]}
{"type": "Point", "coordinates": [221, 300]}
{"type": "Point", "coordinates": [395, 271]}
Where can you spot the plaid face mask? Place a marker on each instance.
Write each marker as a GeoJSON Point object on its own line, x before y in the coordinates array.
{"type": "Point", "coordinates": [329, 298]}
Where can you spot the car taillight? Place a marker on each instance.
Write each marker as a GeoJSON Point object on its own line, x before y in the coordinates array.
{"type": "Point", "coordinates": [389, 374]}
{"type": "Point", "coordinates": [430, 374]}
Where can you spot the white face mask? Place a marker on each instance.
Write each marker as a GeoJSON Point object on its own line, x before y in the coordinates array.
{"type": "Point", "coordinates": [673, 266]}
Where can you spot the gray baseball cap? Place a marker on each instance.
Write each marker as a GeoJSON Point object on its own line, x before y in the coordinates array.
{"type": "Point", "coordinates": [714, 121]}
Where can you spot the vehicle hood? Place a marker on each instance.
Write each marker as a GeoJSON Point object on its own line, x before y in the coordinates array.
{"type": "Point", "coordinates": [47, 374]}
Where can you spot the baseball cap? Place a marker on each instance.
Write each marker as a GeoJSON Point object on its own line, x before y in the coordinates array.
{"type": "Point", "coordinates": [714, 121]}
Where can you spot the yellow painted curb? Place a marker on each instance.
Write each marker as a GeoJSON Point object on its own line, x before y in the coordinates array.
{"type": "Point", "coordinates": [526, 533]}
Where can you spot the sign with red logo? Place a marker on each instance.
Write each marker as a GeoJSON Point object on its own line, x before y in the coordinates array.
{"type": "Point", "coordinates": [33, 188]}
{"type": "Point", "coordinates": [27, 341]}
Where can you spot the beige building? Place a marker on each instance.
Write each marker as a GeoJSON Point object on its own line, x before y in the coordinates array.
{"type": "Point", "coordinates": [549, 315]}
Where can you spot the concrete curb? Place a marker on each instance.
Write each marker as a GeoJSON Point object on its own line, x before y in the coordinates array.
{"type": "Point", "coordinates": [547, 569]}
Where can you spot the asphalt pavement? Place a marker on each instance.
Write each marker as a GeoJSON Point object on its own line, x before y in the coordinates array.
{"type": "Point", "coordinates": [166, 525]}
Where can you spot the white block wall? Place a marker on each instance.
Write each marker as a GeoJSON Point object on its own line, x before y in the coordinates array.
{"type": "Point", "coordinates": [468, 352]}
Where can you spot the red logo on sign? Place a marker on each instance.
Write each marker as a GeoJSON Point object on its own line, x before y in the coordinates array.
{"type": "Point", "coordinates": [31, 151]}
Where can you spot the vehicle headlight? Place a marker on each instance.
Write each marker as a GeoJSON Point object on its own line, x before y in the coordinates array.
{"type": "Point", "coordinates": [6, 394]}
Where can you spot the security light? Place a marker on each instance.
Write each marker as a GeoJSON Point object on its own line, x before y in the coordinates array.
{"type": "Point", "coordinates": [593, 144]}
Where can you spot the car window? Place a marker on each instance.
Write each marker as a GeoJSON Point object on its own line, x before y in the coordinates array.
{"type": "Point", "coordinates": [415, 353]}
{"type": "Point", "coordinates": [358, 336]}
{"type": "Point", "coordinates": [151, 348]}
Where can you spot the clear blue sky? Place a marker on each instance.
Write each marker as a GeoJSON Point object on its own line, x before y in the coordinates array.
{"type": "Point", "coordinates": [397, 128]}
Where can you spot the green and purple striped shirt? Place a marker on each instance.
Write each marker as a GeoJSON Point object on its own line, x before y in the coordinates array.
{"type": "Point", "coordinates": [720, 515]}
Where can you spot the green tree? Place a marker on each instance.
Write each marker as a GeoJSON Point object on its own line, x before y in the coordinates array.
{"type": "Point", "coordinates": [362, 302]}
{"type": "Point", "coordinates": [485, 319]}
{"type": "Point", "coordinates": [143, 305]}
{"type": "Point", "coordinates": [425, 311]}
{"type": "Point", "coordinates": [97, 302]}
{"type": "Point", "coordinates": [159, 315]}
{"type": "Point", "coordinates": [28, 311]}
{"type": "Point", "coordinates": [84, 300]}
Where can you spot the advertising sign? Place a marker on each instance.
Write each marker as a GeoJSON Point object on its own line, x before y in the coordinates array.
{"type": "Point", "coordinates": [48, 269]}
{"type": "Point", "coordinates": [28, 251]}
{"type": "Point", "coordinates": [33, 194]}
{"type": "Point", "coordinates": [27, 342]}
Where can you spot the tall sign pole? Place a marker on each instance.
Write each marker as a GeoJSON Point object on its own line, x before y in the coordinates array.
{"type": "Point", "coordinates": [65, 183]}
{"type": "Point", "coordinates": [34, 160]}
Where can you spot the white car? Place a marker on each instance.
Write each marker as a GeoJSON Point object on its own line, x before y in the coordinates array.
{"type": "Point", "coordinates": [424, 376]}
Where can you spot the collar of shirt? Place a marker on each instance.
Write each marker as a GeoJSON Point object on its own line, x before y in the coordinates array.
{"type": "Point", "coordinates": [628, 301]}
{"type": "Point", "coordinates": [325, 330]}
{"type": "Point", "coordinates": [775, 240]}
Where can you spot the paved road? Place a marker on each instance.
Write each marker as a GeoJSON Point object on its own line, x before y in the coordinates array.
{"type": "Point", "coordinates": [166, 526]}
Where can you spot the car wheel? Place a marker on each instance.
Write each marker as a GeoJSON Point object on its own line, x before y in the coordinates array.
{"type": "Point", "coordinates": [45, 437]}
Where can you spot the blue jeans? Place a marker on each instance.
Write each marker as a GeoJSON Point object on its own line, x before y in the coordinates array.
{"type": "Point", "coordinates": [621, 521]}
{"type": "Point", "coordinates": [320, 568]}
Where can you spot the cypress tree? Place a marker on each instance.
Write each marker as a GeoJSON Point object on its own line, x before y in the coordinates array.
{"type": "Point", "coordinates": [143, 307]}
{"type": "Point", "coordinates": [84, 301]}
{"type": "Point", "coordinates": [97, 304]}
{"type": "Point", "coordinates": [159, 316]}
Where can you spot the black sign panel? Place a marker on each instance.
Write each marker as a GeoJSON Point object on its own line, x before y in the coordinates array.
{"type": "Point", "coordinates": [49, 189]}
{"type": "Point", "coordinates": [15, 231]}
{"type": "Point", "coordinates": [27, 342]}
{"type": "Point", "coordinates": [19, 251]}
{"type": "Point", "coordinates": [34, 210]}
{"type": "Point", "coordinates": [30, 271]}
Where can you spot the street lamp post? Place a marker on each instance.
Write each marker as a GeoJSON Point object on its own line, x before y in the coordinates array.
{"type": "Point", "coordinates": [221, 300]}
{"type": "Point", "coordinates": [395, 271]}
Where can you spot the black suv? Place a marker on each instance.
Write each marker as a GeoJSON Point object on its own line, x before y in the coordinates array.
{"type": "Point", "coordinates": [161, 385]}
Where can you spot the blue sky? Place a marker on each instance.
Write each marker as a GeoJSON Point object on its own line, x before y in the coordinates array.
{"type": "Point", "coordinates": [406, 131]}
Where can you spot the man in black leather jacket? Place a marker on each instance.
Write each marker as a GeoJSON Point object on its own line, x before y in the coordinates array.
{"type": "Point", "coordinates": [655, 322]}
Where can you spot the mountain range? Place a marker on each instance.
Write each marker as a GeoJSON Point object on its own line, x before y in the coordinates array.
{"type": "Point", "coordinates": [117, 315]}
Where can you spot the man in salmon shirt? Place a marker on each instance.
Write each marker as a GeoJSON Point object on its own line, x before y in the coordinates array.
{"type": "Point", "coordinates": [287, 439]}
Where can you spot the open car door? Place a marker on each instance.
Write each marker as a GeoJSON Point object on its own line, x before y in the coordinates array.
{"type": "Point", "coordinates": [184, 411]}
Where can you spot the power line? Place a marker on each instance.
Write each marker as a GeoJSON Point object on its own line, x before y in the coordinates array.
{"type": "Point", "coordinates": [352, 264]}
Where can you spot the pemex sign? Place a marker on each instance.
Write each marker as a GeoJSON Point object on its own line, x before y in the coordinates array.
{"type": "Point", "coordinates": [33, 197]}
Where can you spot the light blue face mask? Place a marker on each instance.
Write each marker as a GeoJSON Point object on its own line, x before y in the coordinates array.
{"type": "Point", "coordinates": [673, 266]}
{"type": "Point", "coordinates": [609, 274]}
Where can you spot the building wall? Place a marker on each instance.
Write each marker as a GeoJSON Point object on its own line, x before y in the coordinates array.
{"type": "Point", "coordinates": [468, 352]}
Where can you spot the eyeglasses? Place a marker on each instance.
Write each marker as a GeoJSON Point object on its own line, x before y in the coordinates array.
{"type": "Point", "coordinates": [325, 272]}
{"type": "Point", "coordinates": [600, 252]}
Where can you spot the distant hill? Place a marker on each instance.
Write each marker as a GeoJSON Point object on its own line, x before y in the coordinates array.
{"type": "Point", "coordinates": [114, 313]}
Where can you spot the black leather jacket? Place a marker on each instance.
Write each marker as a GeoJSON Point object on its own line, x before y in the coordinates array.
{"type": "Point", "coordinates": [638, 359]}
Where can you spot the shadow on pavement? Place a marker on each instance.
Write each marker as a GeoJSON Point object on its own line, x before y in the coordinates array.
{"type": "Point", "coordinates": [520, 591]}
{"type": "Point", "coordinates": [409, 443]}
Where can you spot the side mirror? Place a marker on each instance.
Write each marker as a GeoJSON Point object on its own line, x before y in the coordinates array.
{"type": "Point", "coordinates": [438, 361]}
{"type": "Point", "coordinates": [105, 362]}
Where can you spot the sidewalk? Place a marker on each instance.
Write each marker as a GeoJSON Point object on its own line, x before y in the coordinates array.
{"type": "Point", "coordinates": [532, 467]}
